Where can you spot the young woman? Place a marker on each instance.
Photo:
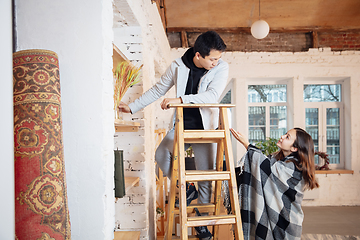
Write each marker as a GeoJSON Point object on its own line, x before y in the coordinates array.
{"type": "Point", "coordinates": [271, 188]}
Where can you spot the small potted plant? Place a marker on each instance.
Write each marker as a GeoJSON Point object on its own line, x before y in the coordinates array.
{"type": "Point", "coordinates": [268, 146]}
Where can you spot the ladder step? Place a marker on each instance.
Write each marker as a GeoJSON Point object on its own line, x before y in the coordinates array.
{"type": "Point", "coordinates": [177, 237]}
{"type": "Point", "coordinates": [203, 136]}
{"type": "Point", "coordinates": [211, 175]}
{"type": "Point", "coordinates": [208, 207]}
{"type": "Point", "coordinates": [211, 220]}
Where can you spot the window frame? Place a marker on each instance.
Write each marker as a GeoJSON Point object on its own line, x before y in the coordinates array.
{"type": "Point", "coordinates": [322, 106]}
{"type": "Point", "coordinates": [322, 132]}
{"type": "Point", "coordinates": [267, 105]}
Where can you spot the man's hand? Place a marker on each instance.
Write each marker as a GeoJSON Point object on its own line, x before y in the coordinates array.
{"type": "Point", "coordinates": [241, 138]}
{"type": "Point", "coordinates": [165, 103]}
{"type": "Point", "coordinates": [124, 108]}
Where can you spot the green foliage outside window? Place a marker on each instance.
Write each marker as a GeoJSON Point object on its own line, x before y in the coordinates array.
{"type": "Point", "coordinates": [268, 146]}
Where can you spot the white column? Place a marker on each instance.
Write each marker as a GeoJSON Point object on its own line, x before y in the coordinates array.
{"type": "Point", "coordinates": [7, 219]}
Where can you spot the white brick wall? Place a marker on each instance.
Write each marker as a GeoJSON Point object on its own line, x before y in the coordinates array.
{"type": "Point", "coordinates": [143, 43]}
{"type": "Point", "coordinates": [322, 63]}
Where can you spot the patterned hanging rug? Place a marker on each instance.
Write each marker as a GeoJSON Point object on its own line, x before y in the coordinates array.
{"type": "Point", "coordinates": [41, 206]}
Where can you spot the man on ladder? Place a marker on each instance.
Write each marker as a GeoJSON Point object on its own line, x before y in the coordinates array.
{"type": "Point", "coordinates": [199, 76]}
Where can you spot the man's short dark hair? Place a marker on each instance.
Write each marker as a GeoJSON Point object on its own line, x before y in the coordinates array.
{"type": "Point", "coordinates": [208, 41]}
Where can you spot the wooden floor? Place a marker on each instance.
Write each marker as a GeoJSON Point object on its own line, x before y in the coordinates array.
{"type": "Point", "coordinates": [320, 220]}
{"type": "Point", "coordinates": [332, 220]}
{"type": "Point", "coordinates": [126, 235]}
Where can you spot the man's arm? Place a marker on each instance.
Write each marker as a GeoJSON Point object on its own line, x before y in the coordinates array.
{"type": "Point", "coordinates": [155, 92]}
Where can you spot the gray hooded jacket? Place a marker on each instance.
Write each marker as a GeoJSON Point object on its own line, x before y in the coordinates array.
{"type": "Point", "coordinates": [211, 86]}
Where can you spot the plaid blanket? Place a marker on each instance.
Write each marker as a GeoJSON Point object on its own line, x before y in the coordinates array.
{"type": "Point", "coordinates": [270, 196]}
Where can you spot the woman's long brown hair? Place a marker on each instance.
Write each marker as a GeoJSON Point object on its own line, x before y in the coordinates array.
{"type": "Point", "coordinates": [305, 154]}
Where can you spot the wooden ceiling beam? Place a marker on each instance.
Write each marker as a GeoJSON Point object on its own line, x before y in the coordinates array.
{"type": "Point", "coordinates": [315, 39]}
{"type": "Point", "coordinates": [184, 40]}
{"type": "Point", "coordinates": [272, 30]}
{"type": "Point", "coordinates": [219, 30]}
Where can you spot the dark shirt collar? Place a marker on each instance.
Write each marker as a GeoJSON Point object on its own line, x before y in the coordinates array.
{"type": "Point", "coordinates": [188, 59]}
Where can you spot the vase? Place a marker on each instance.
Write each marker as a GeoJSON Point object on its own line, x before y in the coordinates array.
{"type": "Point", "coordinates": [118, 114]}
{"type": "Point", "coordinates": [119, 178]}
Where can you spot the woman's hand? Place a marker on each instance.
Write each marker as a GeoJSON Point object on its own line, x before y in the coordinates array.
{"type": "Point", "coordinates": [165, 103]}
{"type": "Point", "coordinates": [241, 138]}
{"type": "Point", "coordinates": [124, 108]}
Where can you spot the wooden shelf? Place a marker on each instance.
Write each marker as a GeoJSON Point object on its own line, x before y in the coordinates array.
{"type": "Point", "coordinates": [334, 171]}
{"type": "Point", "coordinates": [131, 182]}
{"type": "Point", "coordinates": [126, 235]}
{"type": "Point", "coordinates": [126, 126]}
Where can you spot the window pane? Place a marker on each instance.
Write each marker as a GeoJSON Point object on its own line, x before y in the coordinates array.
{"type": "Point", "coordinates": [333, 134]}
{"type": "Point", "coordinates": [227, 98]}
{"type": "Point", "coordinates": [277, 121]}
{"type": "Point", "coordinates": [256, 124]}
{"type": "Point", "coordinates": [322, 93]}
{"type": "Point", "coordinates": [312, 127]}
{"type": "Point", "coordinates": [267, 93]}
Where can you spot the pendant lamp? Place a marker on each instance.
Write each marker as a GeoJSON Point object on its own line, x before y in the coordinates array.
{"type": "Point", "coordinates": [260, 29]}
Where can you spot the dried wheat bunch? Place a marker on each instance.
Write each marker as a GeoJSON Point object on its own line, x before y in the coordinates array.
{"type": "Point", "coordinates": [126, 75]}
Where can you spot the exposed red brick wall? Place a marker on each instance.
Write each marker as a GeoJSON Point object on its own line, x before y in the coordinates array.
{"type": "Point", "coordinates": [340, 40]}
{"type": "Point", "coordinates": [279, 42]}
{"type": "Point", "coordinates": [274, 42]}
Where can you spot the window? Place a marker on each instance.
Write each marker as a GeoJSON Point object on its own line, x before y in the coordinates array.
{"type": "Point", "coordinates": [228, 98]}
{"type": "Point", "coordinates": [267, 108]}
{"type": "Point", "coordinates": [323, 119]}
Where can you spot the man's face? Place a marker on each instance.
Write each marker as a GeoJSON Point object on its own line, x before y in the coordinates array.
{"type": "Point", "coordinates": [209, 61]}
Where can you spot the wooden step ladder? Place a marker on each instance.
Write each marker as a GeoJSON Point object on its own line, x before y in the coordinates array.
{"type": "Point", "coordinates": [221, 136]}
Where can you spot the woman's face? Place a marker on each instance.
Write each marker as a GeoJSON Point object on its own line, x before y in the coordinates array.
{"type": "Point", "coordinates": [286, 142]}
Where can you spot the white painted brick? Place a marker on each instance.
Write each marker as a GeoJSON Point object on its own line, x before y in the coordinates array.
{"type": "Point", "coordinates": [135, 165]}
{"type": "Point", "coordinates": [138, 199]}
{"type": "Point", "coordinates": [129, 39]}
{"type": "Point", "coordinates": [131, 217]}
{"type": "Point", "coordinates": [135, 48]}
{"type": "Point", "coordinates": [138, 190]}
{"type": "Point", "coordinates": [135, 55]}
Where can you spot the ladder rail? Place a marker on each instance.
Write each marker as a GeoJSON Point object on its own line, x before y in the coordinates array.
{"type": "Point", "coordinates": [203, 105]}
{"type": "Point", "coordinates": [235, 207]}
{"type": "Point", "coordinates": [181, 166]}
{"type": "Point", "coordinates": [217, 195]}
{"type": "Point", "coordinates": [171, 204]}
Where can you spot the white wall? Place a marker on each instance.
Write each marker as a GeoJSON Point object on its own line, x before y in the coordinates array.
{"type": "Point", "coordinates": [7, 219]}
{"type": "Point", "coordinates": [80, 32]}
{"type": "Point", "coordinates": [334, 189]}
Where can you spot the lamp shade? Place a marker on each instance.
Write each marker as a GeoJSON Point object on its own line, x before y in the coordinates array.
{"type": "Point", "coordinates": [260, 29]}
